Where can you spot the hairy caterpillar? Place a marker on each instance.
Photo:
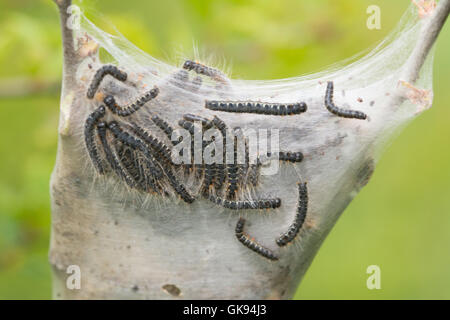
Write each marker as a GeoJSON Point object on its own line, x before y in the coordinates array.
{"type": "Point", "coordinates": [210, 169]}
{"type": "Point", "coordinates": [300, 217]}
{"type": "Point", "coordinates": [206, 123]}
{"type": "Point", "coordinates": [131, 163]}
{"type": "Point", "coordinates": [164, 126]}
{"type": "Point", "coordinates": [274, 109]}
{"type": "Point", "coordinates": [100, 74]}
{"type": "Point", "coordinates": [124, 111]}
{"type": "Point", "coordinates": [135, 144]}
{"type": "Point", "coordinates": [89, 138]}
{"type": "Point", "coordinates": [111, 157]}
{"type": "Point", "coordinates": [232, 174]}
{"type": "Point", "coordinates": [204, 70]}
{"type": "Point", "coordinates": [250, 204]}
{"type": "Point", "coordinates": [250, 243]}
{"type": "Point", "coordinates": [339, 111]}
{"type": "Point", "coordinates": [288, 156]}
{"type": "Point", "coordinates": [159, 147]}
{"type": "Point", "coordinates": [220, 174]}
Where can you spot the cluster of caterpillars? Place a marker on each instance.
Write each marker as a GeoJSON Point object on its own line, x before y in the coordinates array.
{"type": "Point", "coordinates": [145, 163]}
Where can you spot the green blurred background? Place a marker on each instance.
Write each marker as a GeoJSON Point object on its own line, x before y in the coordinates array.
{"type": "Point", "coordinates": [400, 221]}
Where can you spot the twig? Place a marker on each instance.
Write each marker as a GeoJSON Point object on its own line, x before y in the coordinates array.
{"type": "Point", "coordinates": [23, 86]}
{"type": "Point", "coordinates": [70, 58]}
{"type": "Point", "coordinates": [429, 33]}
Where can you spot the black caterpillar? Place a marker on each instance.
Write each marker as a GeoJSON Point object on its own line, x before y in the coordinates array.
{"type": "Point", "coordinates": [288, 156]}
{"type": "Point", "coordinates": [252, 244]}
{"type": "Point", "coordinates": [111, 157]}
{"type": "Point", "coordinates": [135, 144]}
{"type": "Point", "coordinates": [89, 138]}
{"type": "Point", "coordinates": [206, 123]}
{"type": "Point", "coordinates": [274, 109]}
{"type": "Point", "coordinates": [339, 111]}
{"type": "Point", "coordinates": [100, 74]}
{"type": "Point", "coordinates": [164, 126]}
{"type": "Point", "coordinates": [136, 168]}
{"type": "Point", "coordinates": [300, 217]}
{"type": "Point", "coordinates": [220, 175]}
{"type": "Point", "coordinates": [204, 70]}
{"type": "Point", "coordinates": [210, 169]}
{"type": "Point", "coordinates": [250, 204]}
{"type": "Point", "coordinates": [124, 111]}
{"type": "Point", "coordinates": [163, 151]}
{"type": "Point", "coordinates": [232, 172]}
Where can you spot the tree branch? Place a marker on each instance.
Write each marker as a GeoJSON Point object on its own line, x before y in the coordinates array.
{"type": "Point", "coordinates": [70, 58]}
{"type": "Point", "coordinates": [430, 30]}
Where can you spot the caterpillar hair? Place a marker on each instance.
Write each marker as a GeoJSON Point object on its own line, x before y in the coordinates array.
{"type": "Point", "coordinates": [89, 138]}
{"type": "Point", "coordinates": [300, 217]}
{"type": "Point", "coordinates": [100, 74]}
{"type": "Point", "coordinates": [339, 111]}
{"type": "Point", "coordinates": [124, 111]}
{"type": "Point", "coordinates": [274, 109]}
{"type": "Point", "coordinates": [252, 244]}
